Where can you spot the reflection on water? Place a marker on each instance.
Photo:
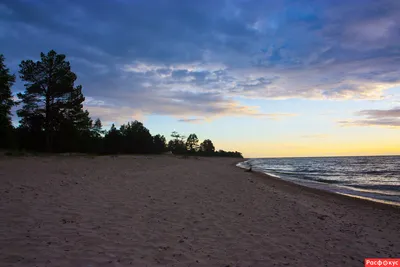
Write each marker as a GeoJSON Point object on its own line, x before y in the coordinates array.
{"type": "Point", "coordinates": [373, 178]}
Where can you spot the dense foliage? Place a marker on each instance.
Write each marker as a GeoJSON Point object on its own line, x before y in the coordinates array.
{"type": "Point", "coordinates": [6, 103]}
{"type": "Point", "coordinates": [53, 119]}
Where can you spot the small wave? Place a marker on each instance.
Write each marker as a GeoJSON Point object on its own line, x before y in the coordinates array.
{"type": "Point", "coordinates": [380, 187]}
{"type": "Point", "coordinates": [384, 201]}
{"type": "Point", "coordinates": [377, 172]}
{"type": "Point", "coordinates": [308, 170]}
{"type": "Point", "coordinates": [370, 177]}
{"type": "Point", "coordinates": [243, 165]}
{"type": "Point", "coordinates": [386, 173]}
{"type": "Point", "coordinates": [289, 173]}
{"type": "Point", "coordinates": [271, 174]}
{"type": "Point", "coordinates": [327, 181]}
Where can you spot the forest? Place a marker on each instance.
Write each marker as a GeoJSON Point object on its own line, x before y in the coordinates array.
{"type": "Point", "coordinates": [52, 118]}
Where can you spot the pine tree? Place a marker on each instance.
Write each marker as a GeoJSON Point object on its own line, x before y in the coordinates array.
{"type": "Point", "coordinates": [136, 138]}
{"type": "Point", "coordinates": [6, 102]}
{"type": "Point", "coordinates": [97, 130]}
{"type": "Point", "coordinates": [192, 143]}
{"type": "Point", "coordinates": [112, 141]}
{"type": "Point", "coordinates": [75, 124]}
{"type": "Point", "coordinates": [159, 143]}
{"type": "Point", "coordinates": [74, 112]}
{"type": "Point", "coordinates": [207, 147]}
{"type": "Point", "coordinates": [51, 103]}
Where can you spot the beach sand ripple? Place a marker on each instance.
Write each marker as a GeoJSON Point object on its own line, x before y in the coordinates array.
{"type": "Point", "coordinates": [168, 211]}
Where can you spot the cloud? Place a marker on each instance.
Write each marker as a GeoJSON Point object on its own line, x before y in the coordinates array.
{"type": "Point", "coordinates": [246, 112]}
{"type": "Point", "coordinates": [210, 105]}
{"type": "Point", "coordinates": [5, 10]}
{"type": "Point", "coordinates": [89, 66]}
{"type": "Point", "coordinates": [392, 123]}
{"type": "Point", "coordinates": [379, 113]}
{"type": "Point", "coordinates": [115, 114]}
{"type": "Point", "coordinates": [194, 57]}
{"type": "Point", "coordinates": [192, 120]}
{"type": "Point", "coordinates": [376, 117]}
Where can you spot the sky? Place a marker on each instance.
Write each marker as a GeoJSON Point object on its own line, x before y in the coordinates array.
{"type": "Point", "coordinates": [275, 78]}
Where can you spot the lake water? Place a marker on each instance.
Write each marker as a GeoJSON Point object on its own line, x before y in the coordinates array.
{"type": "Point", "coordinates": [375, 178]}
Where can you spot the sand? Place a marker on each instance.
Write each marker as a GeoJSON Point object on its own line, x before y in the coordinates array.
{"type": "Point", "coordinates": [167, 211]}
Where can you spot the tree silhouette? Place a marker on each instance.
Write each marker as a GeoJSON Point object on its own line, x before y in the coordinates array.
{"type": "Point", "coordinates": [53, 118]}
{"type": "Point", "coordinates": [75, 124]}
{"type": "Point", "coordinates": [207, 146]}
{"type": "Point", "coordinates": [136, 138]}
{"type": "Point", "coordinates": [6, 102]}
{"type": "Point", "coordinates": [175, 135]}
{"type": "Point", "coordinates": [192, 143]}
{"type": "Point", "coordinates": [222, 153]}
{"type": "Point", "coordinates": [178, 136]}
{"type": "Point", "coordinates": [112, 141]}
{"type": "Point", "coordinates": [97, 128]}
{"type": "Point", "coordinates": [94, 143]}
{"type": "Point", "coordinates": [159, 144]}
{"type": "Point", "coordinates": [177, 145]}
{"type": "Point", "coordinates": [50, 99]}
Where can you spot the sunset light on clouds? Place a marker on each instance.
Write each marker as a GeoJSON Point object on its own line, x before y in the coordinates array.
{"type": "Point", "coordinates": [267, 78]}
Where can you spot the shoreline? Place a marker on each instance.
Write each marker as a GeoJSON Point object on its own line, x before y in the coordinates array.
{"type": "Point", "coordinates": [321, 192]}
{"type": "Point", "coordinates": [170, 211]}
{"type": "Point", "coordinates": [372, 201]}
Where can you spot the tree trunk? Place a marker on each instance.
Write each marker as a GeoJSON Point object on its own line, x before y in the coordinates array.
{"type": "Point", "coordinates": [47, 124]}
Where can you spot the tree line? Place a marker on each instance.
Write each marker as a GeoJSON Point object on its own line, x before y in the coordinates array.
{"type": "Point", "coordinates": [53, 119]}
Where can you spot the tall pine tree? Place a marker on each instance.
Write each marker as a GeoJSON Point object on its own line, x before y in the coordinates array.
{"type": "Point", "coordinates": [51, 103]}
{"type": "Point", "coordinates": [6, 103]}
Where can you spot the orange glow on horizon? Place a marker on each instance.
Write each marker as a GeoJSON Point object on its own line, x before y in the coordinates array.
{"type": "Point", "coordinates": [311, 149]}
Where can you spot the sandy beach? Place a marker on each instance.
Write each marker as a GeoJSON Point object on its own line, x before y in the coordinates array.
{"type": "Point", "coordinates": [169, 211]}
